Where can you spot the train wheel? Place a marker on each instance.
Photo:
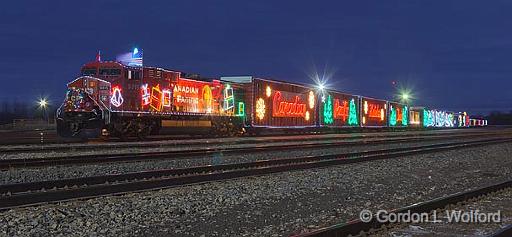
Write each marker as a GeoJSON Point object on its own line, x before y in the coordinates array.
{"type": "Point", "coordinates": [143, 134]}
{"type": "Point", "coordinates": [143, 130]}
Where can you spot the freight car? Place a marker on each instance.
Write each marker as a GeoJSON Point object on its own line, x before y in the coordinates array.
{"type": "Point", "coordinates": [111, 98]}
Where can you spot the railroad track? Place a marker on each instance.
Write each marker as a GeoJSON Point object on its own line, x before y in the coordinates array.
{"type": "Point", "coordinates": [202, 142]}
{"type": "Point", "coordinates": [23, 194]}
{"type": "Point", "coordinates": [6, 164]}
{"type": "Point", "coordinates": [358, 227]}
{"type": "Point", "coordinates": [49, 137]}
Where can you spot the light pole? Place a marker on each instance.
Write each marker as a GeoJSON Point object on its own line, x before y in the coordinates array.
{"type": "Point", "coordinates": [43, 103]}
{"type": "Point", "coordinates": [320, 100]}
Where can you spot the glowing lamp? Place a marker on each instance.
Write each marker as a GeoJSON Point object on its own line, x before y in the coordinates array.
{"type": "Point", "coordinates": [321, 87]}
{"type": "Point", "coordinates": [307, 116]}
{"type": "Point", "coordinates": [42, 103]}
{"type": "Point", "coordinates": [405, 96]}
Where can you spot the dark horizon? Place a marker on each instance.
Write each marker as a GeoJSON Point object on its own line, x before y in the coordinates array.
{"type": "Point", "coordinates": [453, 54]}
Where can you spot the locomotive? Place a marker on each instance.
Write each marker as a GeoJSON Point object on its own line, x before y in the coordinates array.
{"type": "Point", "coordinates": [115, 98]}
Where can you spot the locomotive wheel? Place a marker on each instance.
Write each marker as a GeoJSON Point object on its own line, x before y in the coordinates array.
{"type": "Point", "coordinates": [143, 133]}
{"type": "Point", "coordinates": [142, 129]}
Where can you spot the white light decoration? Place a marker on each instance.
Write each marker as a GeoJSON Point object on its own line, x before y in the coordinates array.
{"type": "Point", "coordinates": [311, 99]}
{"type": "Point", "coordinates": [146, 96]}
{"type": "Point", "coordinates": [260, 108]}
{"type": "Point", "coordinates": [166, 98]}
{"type": "Point", "coordinates": [268, 91]}
{"type": "Point", "coordinates": [116, 99]}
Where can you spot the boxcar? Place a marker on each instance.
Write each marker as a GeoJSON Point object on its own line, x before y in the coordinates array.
{"type": "Point", "coordinates": [277, 104]}
{"type": "Point", "coordinates": [438, 118]}
{"type": "Point", "coordinates": [416, 117]}
{"type": "Point", "coordinates": [374, 112]}
{"type": "Point", "coordinates": [339, 110]}
{"type": "Point", "coordinates": [398, 115]}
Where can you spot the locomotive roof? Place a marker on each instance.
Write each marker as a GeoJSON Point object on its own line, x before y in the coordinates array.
{"type": "Point", "coordinates": [192, 76]}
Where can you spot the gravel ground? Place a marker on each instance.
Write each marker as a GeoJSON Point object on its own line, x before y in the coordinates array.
{"type": "Point", "coordinates": [63, 172]}
{"type": "Point", "coordinates": [270, 205]}
{"type": "Point", "coordinates": [501, 201]}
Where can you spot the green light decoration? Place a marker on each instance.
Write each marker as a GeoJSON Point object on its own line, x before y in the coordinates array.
{"type": "Point", "coordinates": [392, 116]}
{"type": "Point", "coordinates": [405, 118]}
{"type": "Point", "coordinates": [425, 118]}
{"type": "Point", "coordinates": [241, 109]}
{"type": "Point", "coordinates": [328, 111]}
{"type": "Point", "coordinates": [352, 115]}
{"type": "Point", "coordinates": [428, 118]}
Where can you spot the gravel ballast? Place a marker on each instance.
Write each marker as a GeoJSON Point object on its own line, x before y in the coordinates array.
{"type": "Point", "coordinates": [35, 174]}
{"type": "Point", "coordinates": [270, 205]}
{"type": "Point", "coordinates": [499, 202]}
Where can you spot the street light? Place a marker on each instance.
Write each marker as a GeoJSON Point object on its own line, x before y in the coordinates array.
{"type": "Point", "coordinates": [405, 96]}
{"type": "Point", "coordinates": [321, 86]}
{"type": "Point", "coordinates": [43, 103]}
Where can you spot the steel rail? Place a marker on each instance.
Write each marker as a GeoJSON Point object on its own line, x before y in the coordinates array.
{"type": "Point", "coordinates": [258, 140]}
{"type": "Point", "coordinates": [6, 164]}
{"type": "Point", "coordinates": [24, 194]}
{"type": "Point", "coordinates": [358, 227]}
{"type": "Point", "coordinates": [505, 232]}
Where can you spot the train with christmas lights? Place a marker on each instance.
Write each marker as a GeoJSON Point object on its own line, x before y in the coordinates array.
{"type": "Point", "coordinates": [113, 98]}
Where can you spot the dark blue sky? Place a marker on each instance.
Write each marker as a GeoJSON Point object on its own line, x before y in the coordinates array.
{"type": "Point", "coordinates": [455, 54]}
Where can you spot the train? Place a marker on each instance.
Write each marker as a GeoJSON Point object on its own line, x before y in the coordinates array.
{"type": "Point", "coordinates": [119, 99]}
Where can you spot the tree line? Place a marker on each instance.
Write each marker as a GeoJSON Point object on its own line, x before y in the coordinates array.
{"type": "Point", "coordinates": [11, 110]}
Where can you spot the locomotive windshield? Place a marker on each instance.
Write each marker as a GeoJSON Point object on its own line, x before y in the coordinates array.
{"type": "Point", "coordinates": [89, 71]}
{"type": "Point", "coordinates": [110, 71]}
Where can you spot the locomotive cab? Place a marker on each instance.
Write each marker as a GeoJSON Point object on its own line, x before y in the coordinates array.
{"type": "Point", "coordinates": [85, 108]}
{"type": "Point", "coordinates": [110, 98]}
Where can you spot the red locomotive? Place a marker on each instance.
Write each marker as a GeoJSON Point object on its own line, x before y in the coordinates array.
{"type": "Point", "coordinates": [111, 98]}
{"type": "Point", "coordinates": [124, 99]}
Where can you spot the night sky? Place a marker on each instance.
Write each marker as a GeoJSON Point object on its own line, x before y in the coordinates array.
{"type": "Point", "coordinates": [455, 55]}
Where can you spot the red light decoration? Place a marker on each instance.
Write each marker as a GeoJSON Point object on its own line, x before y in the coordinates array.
{"type": "Point", "coordinates": [399, 114]}
{"type": "Point", "coordinates": [290, 108]}
{"type": "Point", "coordinates": [375, 111]}
{"type": "Point", "coordinates": [341, 110]}
{"type": "Point", "coordinates": [156, 98]}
